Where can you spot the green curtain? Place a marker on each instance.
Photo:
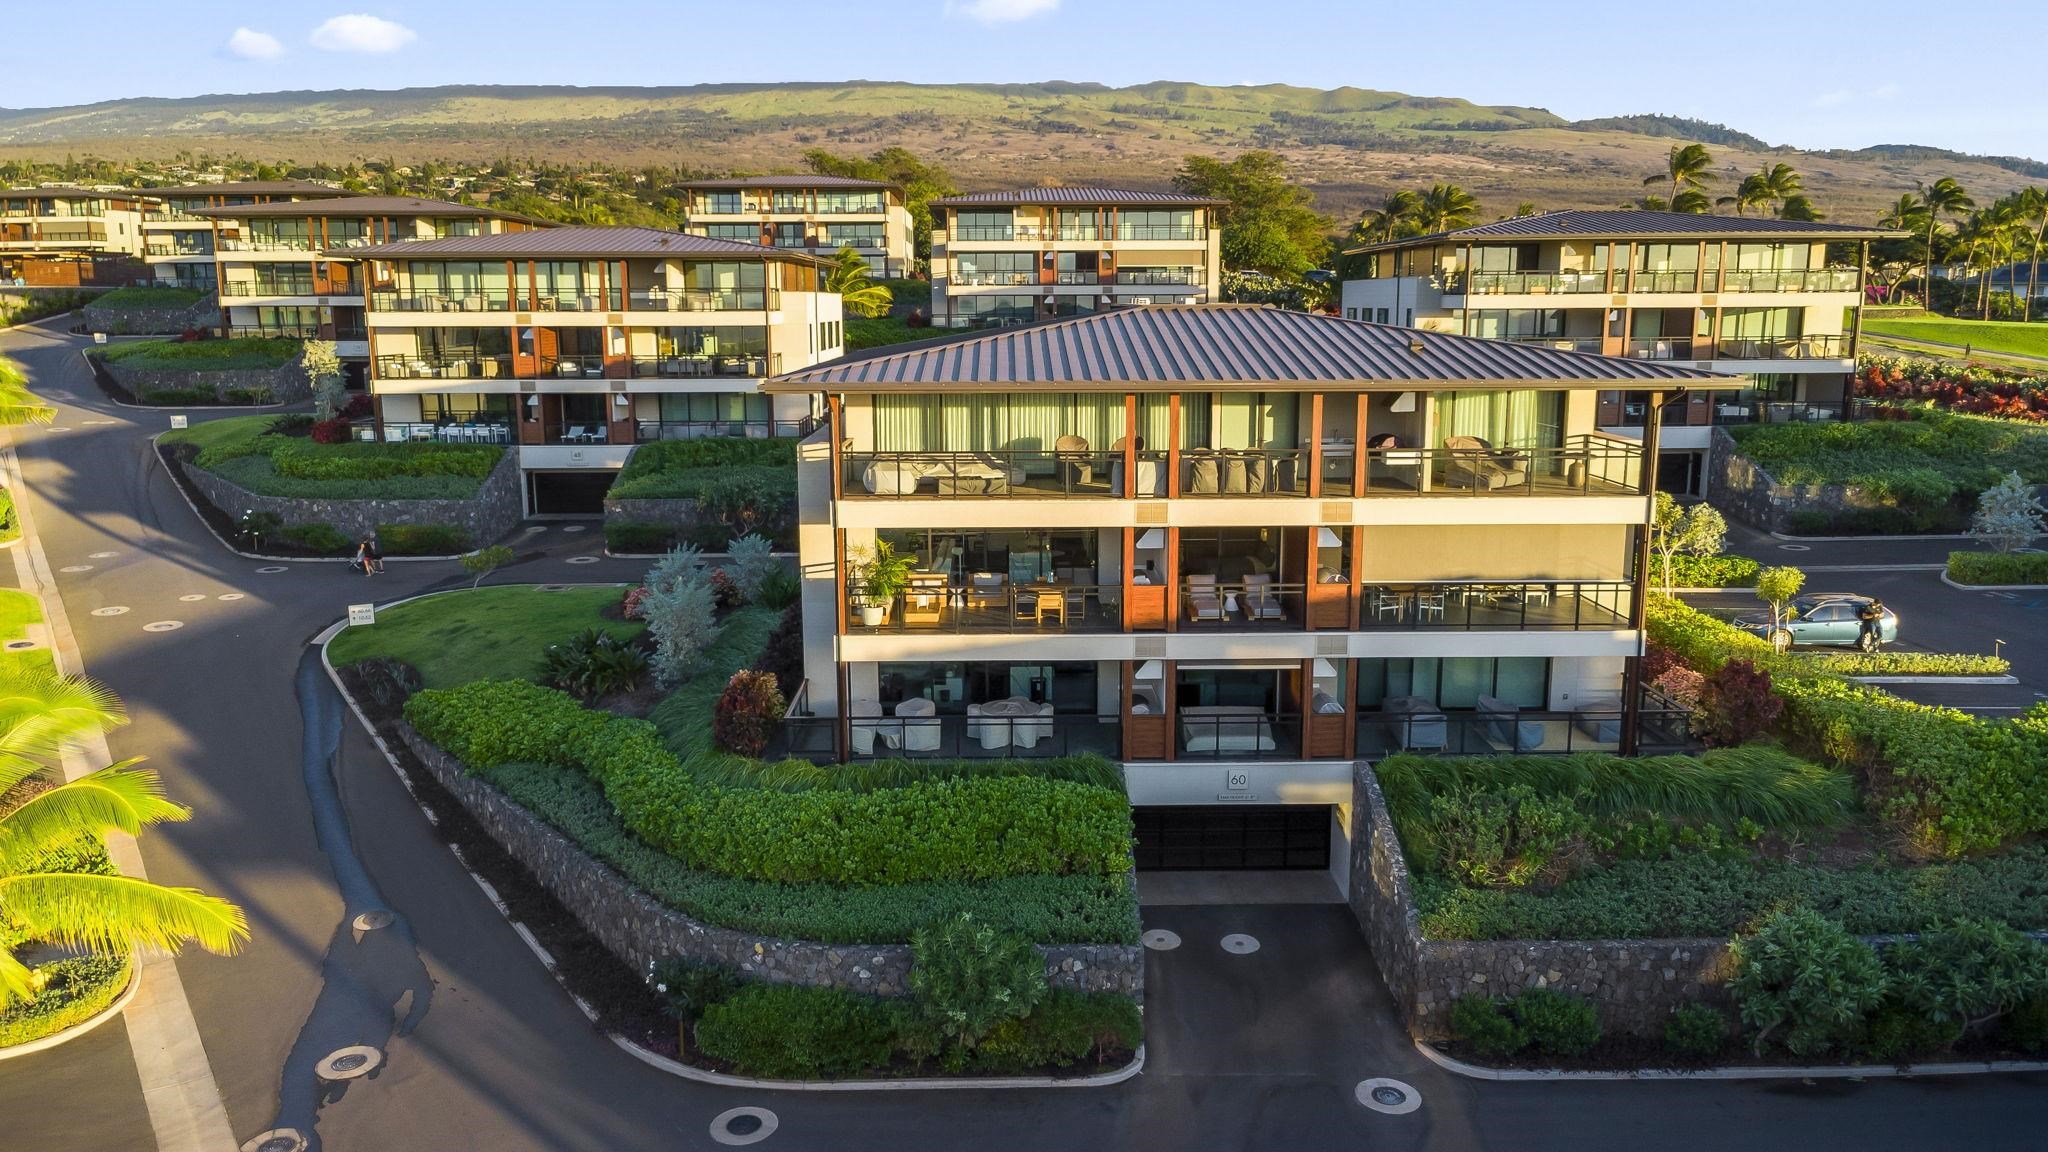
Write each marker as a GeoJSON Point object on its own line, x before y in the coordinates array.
{"type": "Point", "coordinates": [1518, 419]}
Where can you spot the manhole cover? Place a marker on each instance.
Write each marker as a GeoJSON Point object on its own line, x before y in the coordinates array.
{"type": "Point", "coordinates": [76, 568]}
{"type": "Point", "coordinates": [1795, 547]}
{"type": "Point", "coordinates": [582, 559]}
{"type": "Point", "coordinates": [276, 1140]}
{"type": "Point", "coordinates": [741, 1126]}
{"type": "Point", "coordinates": [349, 1063]}
{"type": "Point", "coordinates": [230, 596]}
{"type": "Point", "coordinates": [1161, 940]}
{"type": "Point", "coordinates": [270, 568]}
{"type": "Point", "coordinates": [374, 919]}
{"type": "Point", "coordinates": [101, 555]}
{"type": "Point", "coordinates": [163, 626]}
{"type": "Point", "coordinates": [574, 528]}
{"type": "Point", "coordinates": [536, 528]}
{"type": "Point", "coordinates": [193, 598]}
{"type": "Point", "coordinates": [1389, 1096]}
{"type": "Point", "coordinates": [1238, 944]}
{"type": "Point", "coordinates": [115, 610]}
{"type": "Point", "coordinates": [20, 645]}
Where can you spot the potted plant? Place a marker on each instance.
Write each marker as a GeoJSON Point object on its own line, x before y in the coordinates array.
{"type": "Point", "coordinates": [876, 576]}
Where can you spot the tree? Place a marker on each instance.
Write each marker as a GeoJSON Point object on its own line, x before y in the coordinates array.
{"type": "Point", "coordinates": [1696, 531]}
{"type": "Point", "coordinates": [1766, 188]}
{"type": "Point", "coordinates": [1804, 978]}
{"type": "Point", "coordinates": [41, 714]}
{"type": "Point", "coordinates": [859, 295]}
{"type": "Point", "coordinates": [1944, 197]}
{"type": "Point", "coordinates": [1751, 193]}
{"type": "Point", "coordinates": [1392, 220]}
{"type": "Point", "coordinates": [323, 370]}
{"type": "Point", "coordinates": [2032, 207]}
{"type": "Point", "coordinates": [1269, 224]}
{"type": "Point", "coordinates": [484, 561]}
{"type": "Point", "coordinates": [2008, 516]}
{"type": "Point", "coordinates": [18, 405]}
{"type": "Point", "coordinates": [1692, 200]}
{"type": "Point", "coordinates": [1907, 214]}
{"type": "Point", "coordinates": [1444, 207]}
{"type": "Point", "coordinates": [1776, 587]}
{"type": "Point", "coordinates": [1689, 167]}
{"type": "Point", "coordinates": [1966, 973]}
{"type": "Point", "coordinates": [1798, 207]}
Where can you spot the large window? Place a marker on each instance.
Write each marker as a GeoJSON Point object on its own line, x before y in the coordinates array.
{"type": "Point", "coordinates": [1767, 257]}
{"type": "Point", "coordinates": [1157, 224]}
{"type": "Point", "coordinates": [1076, 224]}
{"type": "Point", "coordinates": [466, 408]}
{"type": "Point", "coordinates": [281, 233]}
{"type": "Point", "coordinates": [973, 268]}
{"type": "Point", "coordinates": [1760, 323]}
{"type": "Point", "coordinates": [858, 235]}
{"type": "Point", "coordinates": [714, 408]}
{"type": "Point", "coordinates": [983, 225]}
{"type": "Point", "coordinates": [747, 340]}
{"type": "Point", "coordinates": [461, 279]}
{"type": "Point", "coordinates": [346, 231]}
{"type": "Point", "coordinates": [1455, 682]}
{"type": "Point", "coordinates": [745, 233]}
{"type": "Point", "coordinates": [1069, 686]}
{"type": "Point", "coordinates": [718, 203]}
{"type": "Point", "coordinates": [444, 228]}
{"type": "Point", "coordinates": [1004, 307]}
{"type": "Point", "coordinates": [1516, 323]}
{"type": "Point", "coordinates": [978, 423]}
{"type": "Point", "coordinates": [1518, 419]}
{"type": "Point", "coordinates": [849, 202]}
{"type": "Point", "coordinates": [728, 284]}
{"type": "Point", "coordinates": [1025, 555]}
{"type": "Point", "coordinates": [790, 235]}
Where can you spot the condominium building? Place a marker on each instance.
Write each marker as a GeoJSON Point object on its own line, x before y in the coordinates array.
{"type": "Point", "coordinates": [816, 214]}
{"type": "Point", "coordinates": [56, 236]}
{"type": "Point", "coordinates": [1235, 548]}
{"type": "Point", "coordinates": [1778, 301]}
{"type": "Point", "coordinates": [178, 243]}
{"type": "Point", "coordinates": [1038, 253]}
{"type": "Point", "coordinates": [579, 343]}
{"type": "Point", "coordinates": [292, 268]}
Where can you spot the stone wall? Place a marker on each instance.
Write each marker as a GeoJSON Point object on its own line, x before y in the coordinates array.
{"type": "Point", "coordinates": [641, 930]}
{"type": "Point", "coordinates": [117, 321]}
{"type": "Point", "coordinates": [1634, 983]}
{"type": "Point", "coordinates": [287, 384]}
{"type": "Point", "coordinates": [668, 513]}
{"type": "Point", "coordinates": [496, 509]}
{"type": "Point", "coordinates": [1739, 487]}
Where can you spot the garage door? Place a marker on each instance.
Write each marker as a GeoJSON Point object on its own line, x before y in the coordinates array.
{"type": "Point", "coordinates": [569, 493]}
{"type": "Point", "coordinates": [1222, 837]}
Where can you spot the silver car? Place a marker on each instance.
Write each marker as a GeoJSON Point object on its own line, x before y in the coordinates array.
{"type": "Point", "coordinates": [1827, 618]}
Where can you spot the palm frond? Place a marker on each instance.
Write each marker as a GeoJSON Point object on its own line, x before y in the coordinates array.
{"type": "Point", "coordinates": [17, 404]}
{"type": "Point", "coordinates": [17, 980]}
{"type": "Point", "coordinates": [120, 796]}
{"type": "Point", "coordinates": [41, 712]}
{"type": "Point", "coordinates": [116, 913]}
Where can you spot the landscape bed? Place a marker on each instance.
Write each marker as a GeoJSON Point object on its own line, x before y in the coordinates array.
{"type": "Point", "coordinates": [702, 492]}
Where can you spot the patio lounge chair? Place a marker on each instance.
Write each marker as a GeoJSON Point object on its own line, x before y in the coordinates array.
{"type": "Point", "coordinates": [920, 721]}
{"type": "Point", "coordinates": [1077, 467]}
{"type": "Point", "coordinates": [1200, 600]}
{"type": "Point", "coordinates": [1258, 600]}
{"type": "Point", "coordinates": [1413, 722]}
{"type": "Point", "coordinates": [1476, 464]}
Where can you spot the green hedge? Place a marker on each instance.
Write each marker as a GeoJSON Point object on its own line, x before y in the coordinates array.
{"type": "Point", "coordinates": [1998, 567]}
{"type": "Point", "coordinates": [1897, 663]}
{"type": "Point", "coordinates": [1717, 894]}
{"type": "Point", "coordinates": [1952, 782]}
{"type": "Point", "coordinates": [1048, 909]}
{"type": "Point", "coordinates": [1708, 571]}
{"type": "Point", "coordinates": [203, 355]}
{"type": "Point", "coordinates": [77, 989]}
{"type": "Point", "coordinates": [937, 830]}
{"type": "Point", "coordinates": [257, 475]}
{"type": "Point", "coordinates": [298, 468]}
{"type": "Point", "coordinates": [684, 469]}
{"type": "Point", "coordinates": [10, 520]}
{"type": "Point", "coordinates": [151, 296]}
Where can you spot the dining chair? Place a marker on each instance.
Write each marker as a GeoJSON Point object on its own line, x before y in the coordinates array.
{"type": "Point", "coordinates": [1429, 604]}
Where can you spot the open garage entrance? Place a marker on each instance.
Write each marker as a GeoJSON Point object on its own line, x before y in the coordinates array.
{"type": "Point", "coordinates": [1222, 837]}
{"type": "Point", "coordinates": [567, 493]}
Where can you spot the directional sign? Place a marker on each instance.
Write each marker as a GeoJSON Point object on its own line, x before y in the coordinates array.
{"type": "Point", "coordinates": [360, 615]}
{"type": "Point", "coordinates": [178, 421]}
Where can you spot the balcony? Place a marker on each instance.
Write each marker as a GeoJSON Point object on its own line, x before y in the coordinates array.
{"type": "Point", "coordinates": [1077, 278]}
{"type": "Point", "coordinates": [178, 250]}
{"type": "Point", "coordinates": [992, 279]}
{"type": "Point", "coordinates": [989, 604]}
{"type": "Point", "coordinates": [1652, 281]}
{"type": "Point", "coordinates": [1254, 603]}
{"type": "Point", "coordinates": [1665, 348]}
{"type": "Point", "coordinates": [1664, 728]}
{"type": "Point", "coordinates": [1787, 348]}
{"type": "Point", "coordinates": [440, 432]}
{"type": "Point", "coordinates": [289, 331]}
{"type": "Point", "coordinates": [993, 232]}
{"type": "Point", "coordinates": [1548, 605]}
{"type": "Point", "coordinates": [1186, 277]}
{"type": "Point", "coordinates": [702, 300]}
{"type": "Point", "coordinates": [1031, 475]}
{"type": "Point", "coordinates": [1790, 280]}
{"type": "Point", "coordinates": [305, 287]}
{"type": "Point", "coordinates": [172, 216]}
{"type": "Point", "coordinates": [1533, 283]}
{"type": "Point", "coordinates": [1586, 465]}
{"type": "Point", "coordinates": [1590, 344]}
{"type": "Point", "coordinates": [1247, 472]}
{"type": "Point", "coordinates": [648, 431]}
{"type": "Point", "coordinates": [420, 300]}
{"type": "Point", "coordinates": [267, 244]}
{"type": "Point", "coordinates": [444, 366]}
{"type": "Point", "coordinates": [952, 737]}
{"type": "Point", "coordinates": [1160, 232]}
{"type": "Point", "coordinates": [699, 367]}
{"type": "Point", "coordinates": [571, 432]}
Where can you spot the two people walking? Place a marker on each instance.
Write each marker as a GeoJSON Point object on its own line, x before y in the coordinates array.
{"type": "Point", "coordinates": [369, 558]}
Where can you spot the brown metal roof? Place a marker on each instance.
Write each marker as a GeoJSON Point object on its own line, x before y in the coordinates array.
{"type": "Point", "coordinates": [1638, 224]}
{"type": "Point", "coordinates": [577, 242]}
{"type": "Point", "coordinates": [787, 181]}
{"type": "Point", "coordinates": [1228, 346]}
{"type": "Point", "coordinates": [1022, 196]}
{"type": "Point", "coordinates": [362, 206]}
{"type": "Point", "coordinates": [251, 188]}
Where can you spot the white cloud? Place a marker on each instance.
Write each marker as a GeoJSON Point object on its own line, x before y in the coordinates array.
{"type": "Point", "coordinates": [253, 45]}
{"type": "Point", "coordinates": [1001, 11]}
{"type": "Point", "coordinates": [1835, 99]}
{"type": "Point", "coordinates": [361, 32]}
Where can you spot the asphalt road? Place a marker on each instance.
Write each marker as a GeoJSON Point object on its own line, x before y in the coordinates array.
{"type": "Point", "coordinates": [1251, 1052]}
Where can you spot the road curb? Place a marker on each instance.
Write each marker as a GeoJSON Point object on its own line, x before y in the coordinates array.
{"type": "Point", "coordinates": [654, 1059]}
{"type": "Point", "coordinates": [1458, 1067]}
{"type": "Point", "coordinates": [112, 1010]}
{"type": "Point", "coordinates": [1869, 538]}
{"type": "Point", "coordinates": [1998, 680]}
{"type": "Point", "coordinates": [1990, 587]}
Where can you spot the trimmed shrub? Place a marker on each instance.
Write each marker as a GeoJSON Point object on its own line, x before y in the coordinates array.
{"type": "Point", "coordinates": [1896, 1032]}
{"type": "Point", "coordinates": [2026, 1027]}
{"type": "Point", "coordinates": [682, 616]}
{"type": "Point", "coordinates": [1801, 980]}
{"type": "Point", "coordinates": [176, 397]}
{"type": "Point", "coordinates": [1736, 705]}
{"type": "Point", "coordinates": [780, 589]}
{"type": "Point", "coordinates": [334, 431]}
{"type": "Point", "coordinates": [725, 591]}
{"type": "Point", "coordinates": [753, 564]}
{"type": "Point", "coordinates": [689, 987]}
{"type": "Point", "coordinates": [292, 424]}
{"type": "Point", "coordinates": [1556, 1024]}
{"type": "Point", "coordinates": [747, 712]}
{"type": "Point", "coordinates": [257, 395]}
{"type": "Point", "coordinates": [1966, 973]}
{"type": "Point", "coordinates": [1998, 567]}
{"type": "Point", "coordinates": [790, 1032]}
{"type": "Point", "coordinates": [592, 664]}
{"type": "Point", "coordinates": [638, 536]}
{"type": "Point", "coordinates": [1506, 838]}
{"type": "Point", "coordinates": [323, 538]}
{"type": "Point", "coordinates": [75, 990]}
{"type": "Point", "coordinates": [1696, 1032]}
{"type": "Point", "coordinates": [1066, 1027]}
{"type": "Point", "coordinates": [1713, 571]}
{"type": "Point", "coordinates": [967, 976]}
{"type": "Point", "coordinates": [745, 501]}
{"type": "Point", "coordinates": [1897, 663]}
{"type": "Point", "coordinates": [1479, 1022]}
{"type": "Point", "coordinates": [423, 539]}
{"type": "Point", "coordinates": [783, 655]}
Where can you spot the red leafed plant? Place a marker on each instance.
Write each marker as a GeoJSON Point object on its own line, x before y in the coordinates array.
{"type": "Point", "coordinates": [747, 712]}
{"type": "Point", "coordinates": [334, 431]}
{"type": "Point", "coordinates": [630, 603]}
{"type": "Point", "coordinates": [1736, 705]}
{"type": "Point", "coordinates": [726, 591]}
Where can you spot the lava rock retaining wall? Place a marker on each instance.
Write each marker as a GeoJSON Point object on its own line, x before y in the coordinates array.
{"type": "Point", "coordinates": [119, 321]}
{"type": "Point", "coordinates": [679, 514]}
{"type": "Point", "coordinates": [1741, 488]}
{"type": "Point", "coordinates": [495, 510]}
{"type": "Point", "coordinates": [287, 384]}
{"type": "Point", "coordinates": [641, 930]}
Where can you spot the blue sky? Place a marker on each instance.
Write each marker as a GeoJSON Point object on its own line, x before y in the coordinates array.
{"type": "Point", "coordinates": [1819, 74]}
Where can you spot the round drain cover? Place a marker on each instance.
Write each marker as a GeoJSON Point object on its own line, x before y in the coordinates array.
{"type": "Point", "coordinates": [573, 528]}
{"type": "Point", "coordinates": [193, 598]}
{"type": "Point", "coordinates": [1795, 547]}
{"type": "Point", "coordinates": [276, 1140]}
{"type": "Point", "coordinates": [1238, 944]}
{"type": "Point", "coordinates": [269, 568]}
{"type": "Point", "coordinates": [229, 596]}
{"type": "Point", "coordinates": [374, 919]}
{"type": "Point", "coordinates": [163, 626]}
{"type": "Point", "coordinates": [110, 611]}
{"type": "Point", "coordinates": [76, 568]}
{"type": "Point", "coordinates": [1389, 1096]}
{"type": "Point", "coordinates": [101, 555]}
{"type": "Point", "coordinates": [583, 559]}
{"type": "Point", "coordinates": [349, 1063]}
{"type": "Point", "coordinates": [741, 1126]}
{"type": "Point", "coordinates": [1161, 940]}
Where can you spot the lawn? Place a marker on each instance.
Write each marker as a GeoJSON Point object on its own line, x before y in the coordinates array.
{"type": "Point", "coordinates": [18, 610]}
{"type": "Point", "coordinates": [203, 355]}
{"type": "Point", "coordinates": [1984, 335]}
{"type": "Point", "coordinates": [488, 634]}
{"type": "Point", "coordinates": [227, 432]}
{"type": "Point", "coordinates": [146, 296]}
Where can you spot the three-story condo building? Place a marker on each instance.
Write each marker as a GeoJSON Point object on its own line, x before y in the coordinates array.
{"type": "Point", "coordinates": [178, 243]}
{"type": "Point", "coordinates": [1014, 257]}
{"type": "Point", "coordinates": [578, 343]}
{"type": "Point", "coordinates": [1776, 300]}
{"type": "Point", "coordinates": [60, 236]}
{"type": "Point", "coordinates": [293, 268]}
{"type": "Point", "coordinates": [1234, 548]}
{"type": "Point", "coordinates": [815, 214]}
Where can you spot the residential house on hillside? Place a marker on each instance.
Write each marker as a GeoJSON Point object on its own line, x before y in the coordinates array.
{"type": "Point", "coordinates": [178, 243]}
{"type": "Point", "coordinates": [61, 236]}
{"type": "Point", "coordinates": [815, 214]}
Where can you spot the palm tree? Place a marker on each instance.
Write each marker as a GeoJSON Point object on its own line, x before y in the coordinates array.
{"type": "Point", "coordinates": [1692, 200]}
{"type": "Point", "coordinates": [1753, 192]}
{"type": "Point", "coordinates": [1688, 167]}
{"type": "Point", "coordinates": [40, 714]}
{"type": "Point", "coordinates": [2032, 204]}
{"type": "Point", "coordinates": [1444, 207]}
{"type": "Point", "coordinates": [1391, 220]}
{"type": "Point", "coordinates": [1944, 197]}
{"type": "Point", "coordinates": [857, 293]}
{"type": "Point", "coordinates": [1798, 207]}
{"type": "Point", "coordinates": [17, 404]}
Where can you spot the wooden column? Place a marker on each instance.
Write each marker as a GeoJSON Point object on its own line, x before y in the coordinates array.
{"type": "Point", "coordinates": [1315, 447]}
{"type": "Point", "coordinates": [1304, 699]}
{"type": "Point", "coordinates": [1311, 581]}
{"type": "Point", "coordinates": [1130, 445]}
{"type": "Point", "coordinates": [1172, 579]}
{"type": "Point", "coordinates": [1130, 562]}
{"type": "Point", "coordinates": [1169, 703]}
{"type": "Point", "coordinates": [1350, 670]}
{"type": "Point", "coordinates": [1173, 446]}
{"type": "Point", "coordinates": [1357, 575]}
{"type": "Point", "coordinates": [835, 418]}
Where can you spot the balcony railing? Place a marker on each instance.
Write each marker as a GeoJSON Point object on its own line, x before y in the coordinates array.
{"type": "Point", "coordinates": [692, 367]}
{"type": "Point", "coordinates": [179, 249]}
{"type": "Point", "coordinates": [1243, 472]}
{"type": "Point", "coordinates": [1664, 347]}
{"type": "Point", "coordinates": [420, 300]}
{"type": "Point", "coordinates": [1592, 344]}
{"type": "Point", "coordinates": [1031, 475]}
{"type": "Point", "coordinates": [706, 300]}
{"type": "Point", "coordinates": [1159, 232]}
{"type": "Point", "coordinates": [994, 605]}
{"type": "Point", "coordinates": [1789, 280]}
{"type": "Point", "coordinates": [440, 432]}
{"type": "Point", "coordinates": [291, 288]}
{"type": "Point", "coordinates": [1664, 728]}
{"type": "Point", "coordinates": [170, 216]}
{"type": "Point", "coordinates": [1076, 232]}
{"type": "Point", "coordinates": [856, 241]}
{"type": "Point", "coordinates": [1078, 278]}
{"type": "Point", "coordinates": [1240, 605]}
{"type": "Point", "coordinates": [575, 432]}
{"type": "Point", "coordinates": [267, 244]}
{"type": "Point", "coordinates": [291, 331]}
{"type": "Point", "coordinates": [992, 232]}
{"type": "Point", "coordinates": [1160, 279]}
{"type": "Point", "coordinates": [1664, 280]}
{"type": "Point", "coordinates": [952, 737]}
{"type": "Point", "coordinates": [1528, 283]}
{"type": "Point", "coordinates": [444, 366]}
{"type": "Point", "coordinates": [1488, 605]}
{"type": "Point", "coordinates": [651, 430]}
{"type": "Point", "coordinates": [1583, 466]}
{"type": "Point", "coordinates": [1787, 348]}
{"type": "Point", "coordinates": [1231, 734]}
{"type": "Point", "coordinates": [989, 279]}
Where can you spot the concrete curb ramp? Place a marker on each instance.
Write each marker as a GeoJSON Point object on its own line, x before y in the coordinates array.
{"type": "Point", "coordinates": [1820, 1072]}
